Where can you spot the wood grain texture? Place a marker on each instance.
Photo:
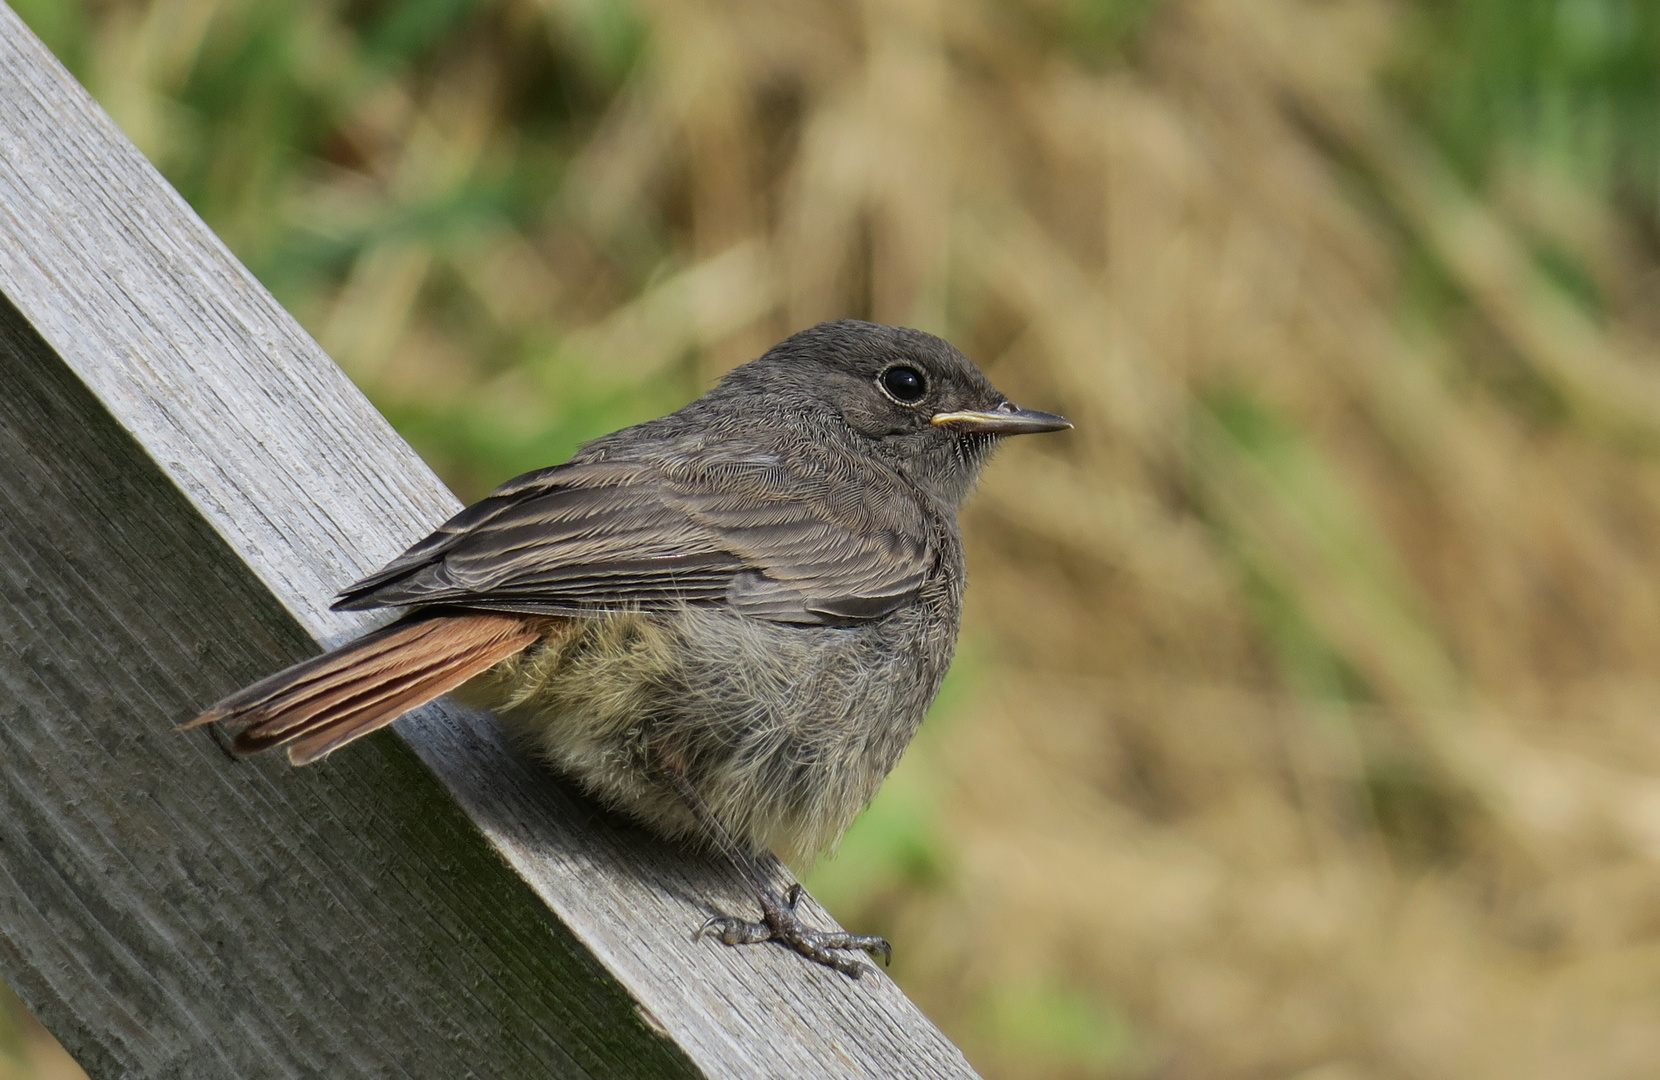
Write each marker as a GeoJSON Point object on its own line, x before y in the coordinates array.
{"type": "Point", "coordinates": [185, 479]}
{"type": "Point", "coordinates": [170, 912]}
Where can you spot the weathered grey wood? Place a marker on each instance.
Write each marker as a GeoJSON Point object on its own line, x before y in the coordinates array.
{"type": "Point", "coordinates": [184, 481]}
{"type": "Point", "coordinates": [172, 914]}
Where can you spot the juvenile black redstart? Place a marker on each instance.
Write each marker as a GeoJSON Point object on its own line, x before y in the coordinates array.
{"type": "Point", "coordinates": [726, 623]}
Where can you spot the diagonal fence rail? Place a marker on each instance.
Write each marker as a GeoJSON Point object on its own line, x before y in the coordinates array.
{"type": "Point", "coordinates": [185, 479]}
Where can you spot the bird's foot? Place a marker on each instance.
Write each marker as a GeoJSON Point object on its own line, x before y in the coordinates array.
{"type": "Point", "coordinates": [780, 923]}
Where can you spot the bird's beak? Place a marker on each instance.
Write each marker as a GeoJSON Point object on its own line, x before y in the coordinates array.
{"type": "Point", "coordinates": [1007, 419]}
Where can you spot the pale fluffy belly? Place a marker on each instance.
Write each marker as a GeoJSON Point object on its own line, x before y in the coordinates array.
{"type": "Point", "coordinates": [785, 731]}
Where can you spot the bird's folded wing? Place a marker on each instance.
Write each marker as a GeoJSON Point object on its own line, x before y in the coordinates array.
{"type": "Point", "coordinates": [802, 544]}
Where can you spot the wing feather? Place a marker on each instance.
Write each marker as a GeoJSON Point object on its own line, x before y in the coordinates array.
{"type": "Point", "coordinates": [804, 543]}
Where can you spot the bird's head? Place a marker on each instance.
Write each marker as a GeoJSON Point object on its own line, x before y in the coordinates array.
{"type": "Point", "coordinates": [911, 399]}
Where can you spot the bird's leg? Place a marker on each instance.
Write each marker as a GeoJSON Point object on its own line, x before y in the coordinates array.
{"type": "Point", "coordinates": [779, 921]}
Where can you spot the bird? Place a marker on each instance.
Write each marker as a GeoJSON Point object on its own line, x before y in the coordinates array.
{"type": "Point", "coordinates": [726, 623]}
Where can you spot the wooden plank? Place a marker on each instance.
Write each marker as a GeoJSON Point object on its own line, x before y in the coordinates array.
{"type": "Point", "coordinates": [168, 912]}
{"type": "Point", "coordinates": [184, 481]}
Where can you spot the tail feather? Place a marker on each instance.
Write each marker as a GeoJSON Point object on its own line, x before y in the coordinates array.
{"type": "Point", "coordinates": [321, 704]}
{"type": "Point", "coordinates": [361, 661]}
{"type": "Point", "coordinates": [380, 709]}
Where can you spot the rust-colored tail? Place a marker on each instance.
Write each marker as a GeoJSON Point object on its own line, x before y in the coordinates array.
{"type": "Point", "coordinates": [321, 704]}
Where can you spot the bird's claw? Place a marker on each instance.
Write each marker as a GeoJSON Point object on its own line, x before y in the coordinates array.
{"type": "Point", "coordinates": [730, 931]}
{"type": "Point", "coordinates": [780, 923]}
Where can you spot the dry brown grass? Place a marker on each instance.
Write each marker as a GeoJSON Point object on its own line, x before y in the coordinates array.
{"type": "Point", "coordinates": [1308, 729]}
{"type": "Point", "coordinates": [27, 1050]}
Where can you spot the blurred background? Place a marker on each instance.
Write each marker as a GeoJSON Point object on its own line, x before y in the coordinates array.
{"type": "Point", "coordinates": [1306, 719]}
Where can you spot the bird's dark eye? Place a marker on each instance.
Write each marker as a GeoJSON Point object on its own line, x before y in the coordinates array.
{"type": "Point", "coordinates": [904, 384]}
